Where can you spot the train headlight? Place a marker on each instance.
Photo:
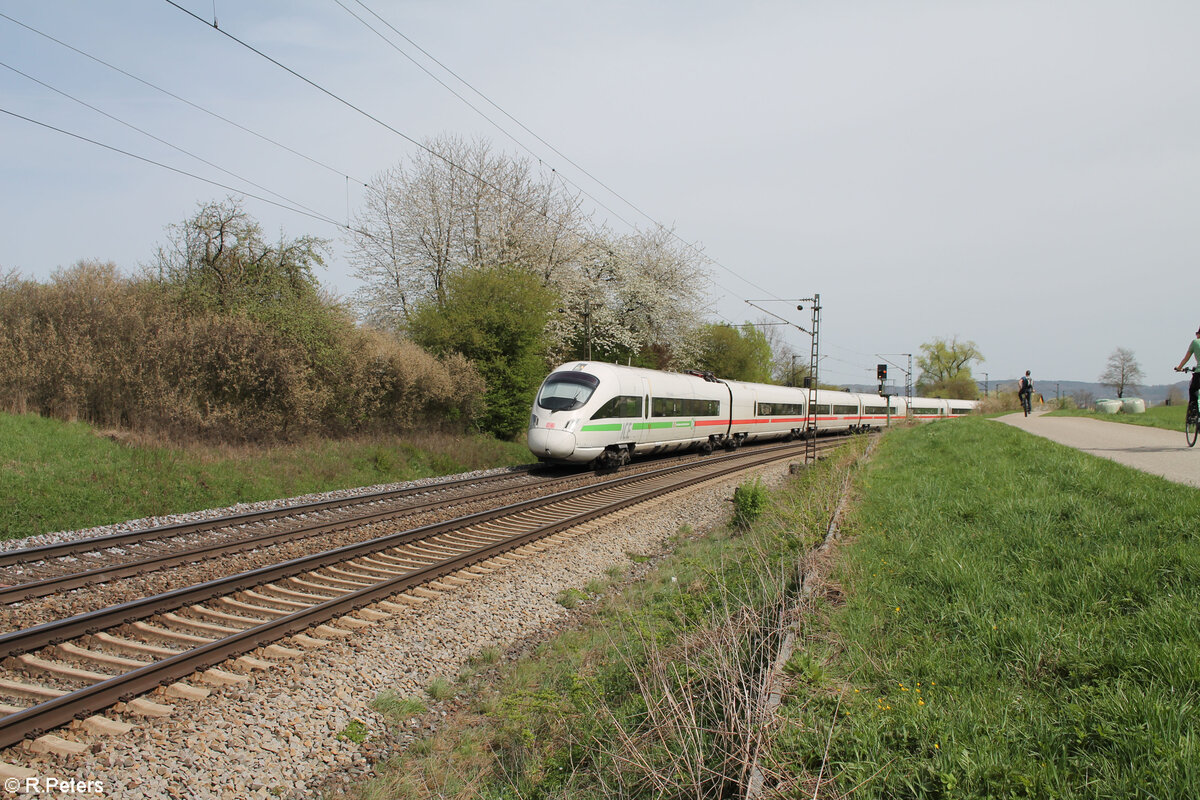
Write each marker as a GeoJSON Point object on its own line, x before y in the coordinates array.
{"type": "Point", "coordinates": [572, 425]}
{"type": "Point", "coordinates": [533, 421]}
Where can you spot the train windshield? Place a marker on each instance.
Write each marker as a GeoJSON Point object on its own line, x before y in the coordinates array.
{"type": "Point", "coordinates": [567, 391]}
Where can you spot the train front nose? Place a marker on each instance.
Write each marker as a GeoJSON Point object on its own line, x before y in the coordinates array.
{"type": "Point", "coordinates": [552, 443]}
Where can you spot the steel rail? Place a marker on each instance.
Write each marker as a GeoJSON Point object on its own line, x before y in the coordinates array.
{"type": "Point", "coordinates": [51, 714]}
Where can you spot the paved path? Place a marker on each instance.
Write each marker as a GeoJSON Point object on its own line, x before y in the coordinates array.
{"type": "Point", "coordinates": [1153, 450]}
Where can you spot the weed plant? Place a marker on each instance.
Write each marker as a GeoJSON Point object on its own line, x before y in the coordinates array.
{"type": "Point", "coordinates": [1020, 621]}
{"type": "Point", "coordinates": [440, 689]}
{"type": "Point", "coordinates": [396, 708]}
{"type": "Point", "coordinates": [750, 500]}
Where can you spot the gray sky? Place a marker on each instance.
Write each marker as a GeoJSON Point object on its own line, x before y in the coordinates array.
{"type": "Point", "coordinates": [1021, 174]}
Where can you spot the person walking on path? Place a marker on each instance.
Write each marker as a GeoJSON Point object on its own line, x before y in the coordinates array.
{"type": "Point", "coordinates": [1193, 351]}
{"type": "Point", "coordinates": [1025, 392]}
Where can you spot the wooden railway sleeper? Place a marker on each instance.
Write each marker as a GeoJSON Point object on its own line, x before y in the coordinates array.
{"type": "Point", "coordinates": [62, 670]}
{"type": "Point", "coordinates": [433, 556]}
{"type": "Point", "coordinates": [391, 572]}
{"type": "Point", "coordinates": [337, 590]}
{"type": "Point", "coordinates": [128, 645]}
{"type": "Point", "coordinates": [82, 653]}
{"type": "Point", "coordinates": [212, 613]}
{"type": "Point", "coordinates": [32, 691]}
{"type": "Point", "coordinates": [189, 639]}
{"type": "Point", "coordinates": [390, 569]}
{"type": "Point", "coordinates": [251, 607]}
{"type": "Point", "coordinates": [260, 593]}
{"type": "Point", "coordinates": [291, 604]}
{"type": "Point", "coordinates": [319, 574]}
{"type": "Point", "coordinates": [200, 625]}
{"type": "Point", "coordinates": [406, 564]}
{"type": "Point", "coordinates": [472, 540]}
{"type": "Point", "coordinates": [388, 557]}
{"type": "Point", "coordinates": [451, 547]}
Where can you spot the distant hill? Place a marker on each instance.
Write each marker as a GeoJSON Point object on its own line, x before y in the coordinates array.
{"type": "Point", "coordinates": [1153, 395]}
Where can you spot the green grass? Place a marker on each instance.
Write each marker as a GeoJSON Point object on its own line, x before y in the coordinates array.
{"type": "Point", "coordinates": [1167, 417]}
{"type": "Point", "coordinates": [64, 476]}
{"type": "Point", "coordinates": [396, 708]}
{"type": "Point", "coordinates": [1021, 621]}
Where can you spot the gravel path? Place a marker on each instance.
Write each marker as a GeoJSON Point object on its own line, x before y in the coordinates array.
{"type": "Point", "coordinates": [278, 736]}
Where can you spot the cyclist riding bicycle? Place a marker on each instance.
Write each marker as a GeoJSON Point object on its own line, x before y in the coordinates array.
{"type": "Point", "coordinates": [1025, 392]}
{"type": "Point", "coordinates": [1193, 351]}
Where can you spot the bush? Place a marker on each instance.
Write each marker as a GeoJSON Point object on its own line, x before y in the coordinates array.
{"type": "Point", "coordinates": [749, 502]}
{"type": "Point", "coordinates": [94, 345]}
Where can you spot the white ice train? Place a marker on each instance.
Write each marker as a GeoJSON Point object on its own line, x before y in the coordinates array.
{"type": "Point", "coordinates": [588, 411]}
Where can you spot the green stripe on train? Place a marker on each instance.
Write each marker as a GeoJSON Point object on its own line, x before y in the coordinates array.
{"type": "Point", "coordinates": [639, 426]}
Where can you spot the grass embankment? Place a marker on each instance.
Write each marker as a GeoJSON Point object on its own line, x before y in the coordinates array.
{"type": "Point", "coordinates": [1005, 618]}
{"type": "Point", "coordinates": [65, 476]}
{"type": "Point", "coordinates": [1020, 621]}
{"type": "Point", "coordinates": [1166, 417]}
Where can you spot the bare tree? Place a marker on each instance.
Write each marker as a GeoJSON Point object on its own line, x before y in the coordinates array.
{"type": "Point", "coordinates": [1083, 398]}
{"type": "Point", "coordinates": [453, 207]}
{"type": "Point", "coordinates": [462, 206]}
{"type": "Point", "coordinates": [1122, 373]}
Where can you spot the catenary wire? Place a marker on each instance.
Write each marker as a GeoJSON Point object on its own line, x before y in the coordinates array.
{"type": "Point", "coordinates": [309, 158]}
{"type": "Point", "coordinates": [176, 170]}
{"type": "Point", "coordinates": [167, 92]}
{"type": "Point", "coordinates": [552, 148]}
{"type": "Point", "coordinates": [297, 204]}
{"type": "Point", "coordinates": [474, 108]}
{"type": "Point", "coordinates": [333, 95]}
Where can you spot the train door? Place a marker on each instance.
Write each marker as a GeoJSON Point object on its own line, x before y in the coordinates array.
{"type": "Point", "coordinates": [641, 430]}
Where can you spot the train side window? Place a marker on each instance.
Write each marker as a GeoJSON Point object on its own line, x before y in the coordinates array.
{"type": "Point", "coordinates": [684, 407]}
{"type": "Point", "coordinates": [620, 407]}
{"type": "Point", "coordinates": [781, 409]}
{"type": "Point", "coordinates": [852, 410]}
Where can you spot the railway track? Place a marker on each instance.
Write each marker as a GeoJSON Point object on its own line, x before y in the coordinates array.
{"type": "Point", "coordinates": [76, 667]}
{"type": "Point", "coordinates": [56, 568]}
{"type": "Point", "coordinates": [39, 571]}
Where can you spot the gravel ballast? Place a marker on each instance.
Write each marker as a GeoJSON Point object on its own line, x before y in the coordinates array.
{"type": "Point", "coordinates": [289, 730]}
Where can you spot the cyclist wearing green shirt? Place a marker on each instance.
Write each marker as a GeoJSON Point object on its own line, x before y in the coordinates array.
{"type": "Point", "coordinates": [1193, 351]}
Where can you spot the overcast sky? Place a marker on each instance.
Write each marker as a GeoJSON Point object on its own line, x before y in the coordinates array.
{"type": "Point", "coordinates": [1025, 175]}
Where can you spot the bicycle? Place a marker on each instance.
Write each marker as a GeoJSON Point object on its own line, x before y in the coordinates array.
{"type": "Point", "coordinates": [1191, 422]}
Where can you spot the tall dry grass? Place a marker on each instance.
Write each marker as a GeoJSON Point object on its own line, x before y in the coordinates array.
{"type": "Point", "coordinates": [91, 344]}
